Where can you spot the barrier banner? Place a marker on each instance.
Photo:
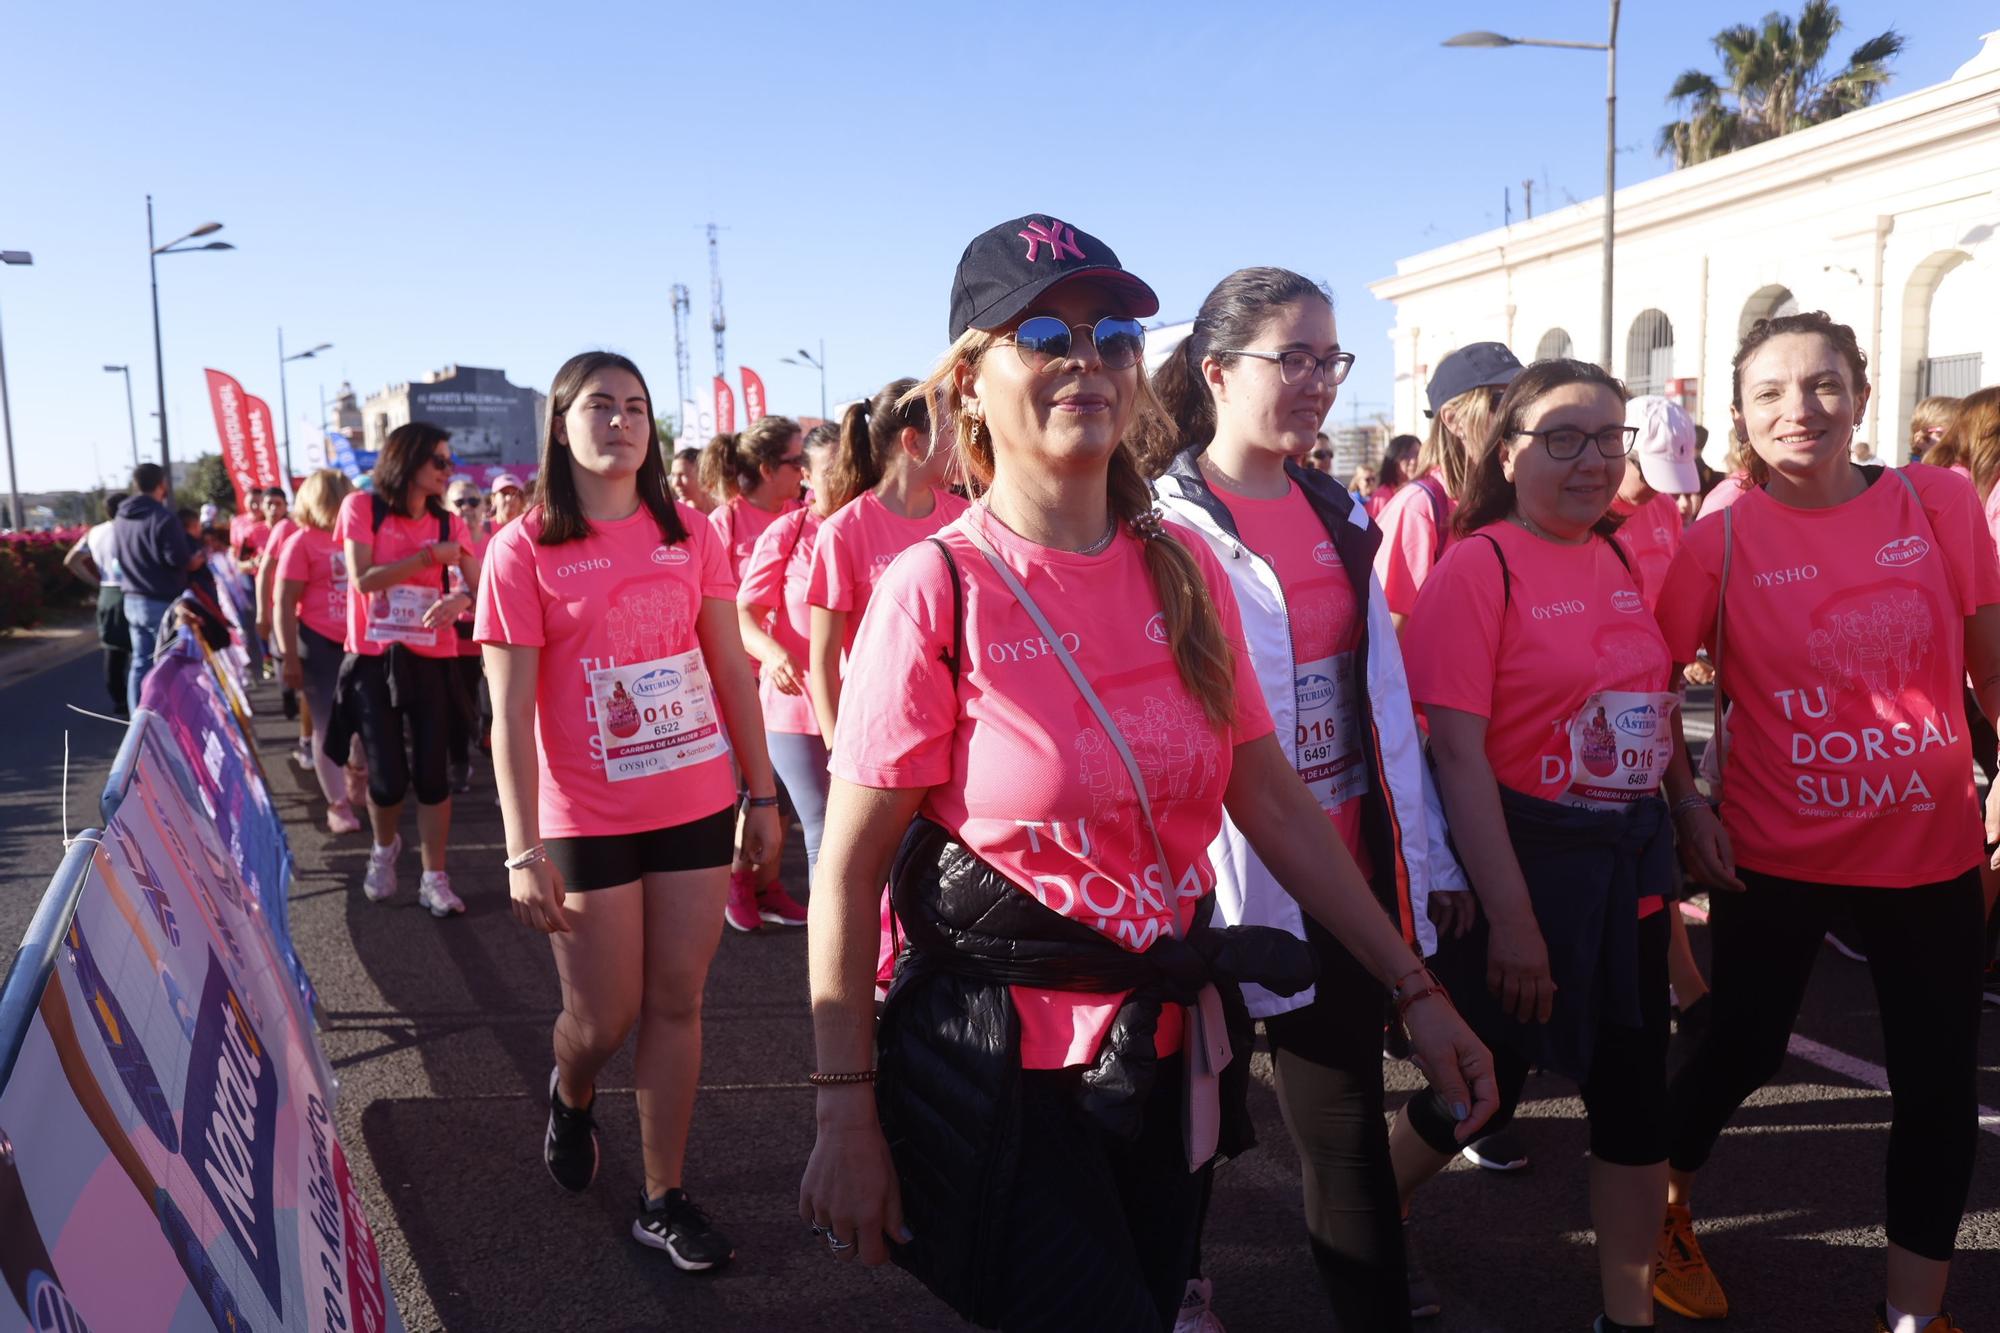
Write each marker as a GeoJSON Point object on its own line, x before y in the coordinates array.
{"type": "Point", "coordinates": [168, 1158]}
{"type": "Point", "coordinates": [753, 395]}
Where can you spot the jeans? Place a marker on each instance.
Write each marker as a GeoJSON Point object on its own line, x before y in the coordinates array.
{"type": "Point", "coordinates": [801, 762]}
{"type": "Point", "coordinates": [143, 615]}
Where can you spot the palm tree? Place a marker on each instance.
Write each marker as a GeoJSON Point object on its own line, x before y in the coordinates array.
{"type": "Point", "coordinates": [1773, 82]}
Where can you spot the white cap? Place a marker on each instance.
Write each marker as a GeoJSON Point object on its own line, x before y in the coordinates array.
{"type": "Point", "coordinates": [1665, 449]}
{"type": "Point", "coordinates": [503, 481]}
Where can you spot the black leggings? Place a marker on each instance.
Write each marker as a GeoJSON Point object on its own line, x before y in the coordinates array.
{"type": "Point", "coordinates": [1329, 1067]}
{"type": "Point", "coordinates": [464, 720]}
{"type": "Point", "coordinates": [404, 737]}
{"type": "Point", "coordinates": [1625, 1095]}
{"type": "Point", "coordinates": [1924, 949]}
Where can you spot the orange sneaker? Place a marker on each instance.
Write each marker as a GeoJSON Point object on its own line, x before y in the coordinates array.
{"type": "Point", "coordinates": [1939, 1323]}
{"type": "Point", "coordinates": [1682, 1279]}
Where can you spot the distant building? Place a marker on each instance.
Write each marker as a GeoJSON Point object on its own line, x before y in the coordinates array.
{"type": "Point", "coordinates": [1355, 445]}
{"type": "Point", "coordinates": [490, 420]}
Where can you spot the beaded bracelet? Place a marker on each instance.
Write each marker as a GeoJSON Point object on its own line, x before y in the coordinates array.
{"type": "Point", "coordinates": [1689, 802]}
{"type": "Point", "coordinates": [533, 856]}
{"type": "Point", "coordinates": [819, 1080]}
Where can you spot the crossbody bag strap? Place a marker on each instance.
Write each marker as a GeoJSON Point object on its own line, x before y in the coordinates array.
{"type": "Point", "coordinates": [1718, 702]}
{"type": "Point", "coordinates": [1054, 640]}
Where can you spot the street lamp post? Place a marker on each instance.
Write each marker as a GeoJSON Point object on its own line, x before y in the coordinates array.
{"type": "Point", "coordinates": [805, 358]}
{"type": "Point", "coordinates": [284, 395]}
{"type": "Point", "coordinates": [1610, 48]}
{"type": "Point", "coordinates": [7, 411]}
{"type": "Point", "coordinates": [131, 420]}
{"type": "Point", "coordinates": [153, 253]}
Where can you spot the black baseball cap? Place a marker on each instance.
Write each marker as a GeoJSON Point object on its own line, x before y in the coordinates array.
{"type": "Point", "coordinates": [1007, 267]}
{"type": "Point", "coordinates": [1473, 366]}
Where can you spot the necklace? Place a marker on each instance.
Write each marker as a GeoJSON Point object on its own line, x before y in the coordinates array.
{"type": "Point", "coordinates": [1535, 529]}
{"type": "Point", "coordinates": [1101, 542]}
{"type": "Point", "coordinates": [1236, 484]}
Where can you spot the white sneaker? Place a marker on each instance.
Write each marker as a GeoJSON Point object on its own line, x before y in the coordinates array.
{"type": "Point", "coordinates": [1195, 1316]}
{"type": "Point", "coordinates": [302, 754]}
{"type": "Point", "coordinates": [340, 818]}
{"type": "Point", "coordinates": [379, 884]}
{"type": "Point", "coordinates": [434, 892]}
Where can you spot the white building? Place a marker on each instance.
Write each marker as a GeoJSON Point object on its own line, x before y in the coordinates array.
{"type": "Point", "coordinates": [1885, 218]}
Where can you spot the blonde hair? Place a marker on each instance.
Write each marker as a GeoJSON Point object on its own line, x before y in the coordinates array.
{"type": "Point", "coordinates": [1202, 655]}
{"type": "Point", "coordinates": [1975, 429]}
{"type": "Point", "coordinates": [1932, 413]}
{"type": "Point", "coordinates": [1452, 454]}
{"type": "Point", "coordinates": [317, 504]}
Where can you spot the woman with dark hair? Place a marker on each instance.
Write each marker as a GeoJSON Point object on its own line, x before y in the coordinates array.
{"type": "Point", "coordinates": [1243, 395]}
{"type": "Point", "coordinates": [1842, 607]}
{"type": "Point", "coordinates": [1548, 692]}
{"type": "Point", "coordinates": [754, 476]}
{"type": "Point", "coordinates": [608, 619]}
{"type": "Point", "coordinates": [1399, 462]}
{"type": "Point", "coordinates": [399, 681]}
{"type": "Point", "coordinates": [1059, 695]}
{"type": "Point", "coordinates": [310, 601]}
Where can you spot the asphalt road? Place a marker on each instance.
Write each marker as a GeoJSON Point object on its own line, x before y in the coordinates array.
{"type": "Point", "coordinates": [439, 1033]}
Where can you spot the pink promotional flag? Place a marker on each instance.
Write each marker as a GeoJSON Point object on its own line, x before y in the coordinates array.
{"type": "Point", "coordinates": [725, 407]}
{"type": "Point", "coordinates": [232, 428]}
{"type": "Point", "coordinates": [753, 395]}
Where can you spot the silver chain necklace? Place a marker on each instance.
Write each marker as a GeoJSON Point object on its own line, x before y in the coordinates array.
{"type": "Point", "coordinates": [1101, 542]}
{"type": "Point", "coordinates": [1535, 529]}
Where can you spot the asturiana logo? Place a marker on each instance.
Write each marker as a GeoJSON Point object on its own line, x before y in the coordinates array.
{"type": "Point", "coordinates": [660, 680]}
{"type": "Point", "coordinates": [1627, 601]}
{"type": "Point", "coordinates": [1156, 628]}
{"type": "Point", "coordinates": [1326, 555]}
{"type": "Point", "coordinates": [1902, 551]}
{"type": "Point", "coordinates": [671, 555]}
{"type": "Point", "coordinates": [1641, 720]}
{"type": "Point", "coordinates": [1315, 691]}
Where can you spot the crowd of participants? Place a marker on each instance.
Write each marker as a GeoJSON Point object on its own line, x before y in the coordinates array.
{"type": "Point", "coordinates": [1154, 731]}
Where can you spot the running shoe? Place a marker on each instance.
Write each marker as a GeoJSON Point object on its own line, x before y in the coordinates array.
{"type": "Point", "coordinates": [302, 754]}
{"type": "Point", "coordinates": [673, 1223]}
{"type": "Point", "coordinates": [1682, 1279]}
{"type": "Point", "coordinates": [380, 881]}
{"type": "Point", "coordinates": [741, 909]}
{"type": "Point", "coordinates": [1424, 1302]}
{"type": "Point", "coordinates": [434, 892]}
{"type": "Point", "coordinates": [1498, 1151]}
{"type": "Point", "coordinates": [461, 776]}
{"type": "Point", "coordinates": [1842, 947]}
{"type": "Point", "coordinates": [777, 908]}
{"type": "Point", "coordinates": [569, 1149]}
{"type": "Point", "coordinates": [1942, 1323]}
{"type": "Point", "coordinates": [340, 818]}
{"type": "Point", "coordinates": [1195, 1316]}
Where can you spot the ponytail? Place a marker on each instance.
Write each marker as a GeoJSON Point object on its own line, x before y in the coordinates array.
{"type": "Point", "coordinates": [869, 432]}
{"type": "Point", "coordinates": [1187, 410]}
{"type": "Point", "coordinates": [718, 468]}
{"type": "Point", "coordinates": [733, 464]}
{"type": "Point", "coordinates": [1202, 656]}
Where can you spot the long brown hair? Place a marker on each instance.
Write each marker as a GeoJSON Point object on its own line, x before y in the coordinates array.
{"type": "Point", "coordinates": [1815, 322]}
{"type": "Point", "coordinates": [869, 435]}
{"type": "Point", "coordinates": [1489, 495]}
{"type": "Point", "coordinates": [1975, 428]}
{"type": "Point", "coordinates": [408, 448]}
{"type": "Point", "coordinates": [736, 462]}
{"type": "Point", "coordinates": [555, 489]}
{"type": "Point", "coordinates": [1202, 656]}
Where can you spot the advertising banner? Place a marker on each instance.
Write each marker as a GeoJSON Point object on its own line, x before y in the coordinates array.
{"type": "Point", "coordinates": [696, 426]}
{"type": "Point", "coordinates": [753, 395]}
{"type": "Point", "coordinates": [263, 443]}
{"type": "Point", "coordinates": [725, 407]}
{"type": "Point", "coordinates": [249, 449]}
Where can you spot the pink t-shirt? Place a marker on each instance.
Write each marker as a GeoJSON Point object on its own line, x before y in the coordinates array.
{"type": "Point", "coordinates": [315, 559]}
{"type": "Point", "coordinates": [1411, 542]}
{"type": "Point", "coordinates": [374, 620]}
{"type": "Point", "coordinates": [275, 539]}
{"type": "Point", "coordinates": [1378, 500]}
{"type": "Point", "coordinates": [1724, 494]}
{"type": "Point", "coordinates": [858, 543]}
{"type": "Point", "coordinates": [617, 598]}
{"type": "Point", "coordinates": [1992, 510]}
{"type": "Point", "coordinates": [247, 529]}
{"type": "Point", "coordinates": [739, 524]}
{"type": "Point", "coordinates": [775, 577]}
{"type": "Point", "coordinates": [1650, 536]}
{"type": "Point", "coordinates": [1844, 660]}
{"type": "Point", "coordinates": [1015, 762]}
{"type": "Point", "coordinates": [1326, 627]}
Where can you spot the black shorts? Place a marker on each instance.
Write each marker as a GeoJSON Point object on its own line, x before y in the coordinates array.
{"type": "Point", "coordinates": [620, 858]}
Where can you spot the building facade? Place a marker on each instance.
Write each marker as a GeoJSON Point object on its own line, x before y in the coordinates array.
{"type": "Point", "coordinates": [491, 421]}
{"type": "Point", "coordinates": [1885, 218]}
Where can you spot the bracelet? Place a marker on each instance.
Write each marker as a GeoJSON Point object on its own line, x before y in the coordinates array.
{"type": "Point", "coordinates": [819, 1080]}
{"type": "Point", "coordinates": [1403, 1004]}
{"type": "Point", "coordinates": [1691, 801]}
{"type": "Point", "coordinates": [762, 802]}
{"type": "Point", "coordinates": [1420, 970]}
{"type": "Point", "coordinates": [533, 856]}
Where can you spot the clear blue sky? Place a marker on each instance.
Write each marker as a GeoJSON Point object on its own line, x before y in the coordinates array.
{"type": "Point", "coordinates": [505, 184]}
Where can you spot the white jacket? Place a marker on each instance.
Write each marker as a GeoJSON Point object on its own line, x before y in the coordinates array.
{"type": "Point", "coordinates": [1401, 805]}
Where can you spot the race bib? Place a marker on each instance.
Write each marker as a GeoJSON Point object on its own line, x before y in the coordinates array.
{"type": "Point", "coordinates": [396, 614]}
{"type": "Point", "coordinates": [1328, 749]}
{"type": "Point", "coordinates": [1619, 743]}
{"type": "Point", "coordinates": [654, 717]}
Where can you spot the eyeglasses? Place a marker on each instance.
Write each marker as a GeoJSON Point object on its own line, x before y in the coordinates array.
{"type": "Point", "coordinates": [1295, 366]}
{"type": "Point", "coordinates": [1119, 342]}
{"type": "Point", "coordinates": [442, 462]}
{"type": "Point", "coordinates": [1566, 442]}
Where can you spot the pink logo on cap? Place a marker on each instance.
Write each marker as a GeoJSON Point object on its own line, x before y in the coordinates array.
{"type": "Point", "coordinates": [1059, 237]}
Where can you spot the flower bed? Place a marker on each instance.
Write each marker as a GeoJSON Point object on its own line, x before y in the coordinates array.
{"type": "Point", "coordinates": [33, 580]}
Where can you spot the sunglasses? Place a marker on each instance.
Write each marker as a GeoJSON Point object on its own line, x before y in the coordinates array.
{"type": "Point", "coordinates": [442, 462]}
{"type": "Point", "coordinates": [1120, 342]}
{"type": "Point", "coordinates": [469, 502]}
{"type": "Point", "coordinates": [1321, 456]}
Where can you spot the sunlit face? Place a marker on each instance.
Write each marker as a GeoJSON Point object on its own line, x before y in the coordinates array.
{"type": "Point", "coordinates": [1800, 405]}
{"type": "Point", "coordinates": [785, 477]}
{"type": "Point", "coordinates": [608, 424]}
{"type": "Point", "coordinates": [1065, 416]}
{"type": "Point", "coordinates": [819, 462]}
{"type": "Point", "coordinates": [1253, 402]}
{"type": "Point", "coordinates": [466, 501]}
{"type": "Point", "coordinates": [685, 475]}
{"type": "Point", "coordinates": [1564, 497]}
{"type": "Point", "coordinates": [509, 504]}
{"type": "Point", "coordinates": [274, 508]}
{"type": "Point", "coordinates": [433, 475]}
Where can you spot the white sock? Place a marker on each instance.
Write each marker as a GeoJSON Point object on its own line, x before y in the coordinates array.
{"type": "Point", "coordinates": [1905, 1323]}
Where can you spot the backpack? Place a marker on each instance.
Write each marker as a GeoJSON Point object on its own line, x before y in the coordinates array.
{"type": "Point", "coordinates": [378, 514]}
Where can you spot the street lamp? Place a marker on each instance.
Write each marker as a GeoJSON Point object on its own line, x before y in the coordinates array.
{"type": "Point", "coordinates": [805, 358]}
{"type": "Point", "coordinates": [153, 253]}
{"type": "Point", "coordinates": [7, 411]}
{"type": "Point", "coordinates": [130, 420]}
{"type": "Point", "coordinates": [1610, 48]}
{"type": "Point", "coordinates": [285, 398]}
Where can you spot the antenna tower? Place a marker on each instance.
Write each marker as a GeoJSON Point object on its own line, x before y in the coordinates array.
{"type": "Point", "coordinates": [681, 367]}
{"type": "Point", "coordinates": [716, 320]}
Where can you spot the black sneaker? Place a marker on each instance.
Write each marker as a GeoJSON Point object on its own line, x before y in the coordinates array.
{"type": "Point", "coordinates": [1498, 1151]}
{"type": "Point", "coordinates": [674, 1224]}
{"type": "Point", "coordinates": [570, 1148]}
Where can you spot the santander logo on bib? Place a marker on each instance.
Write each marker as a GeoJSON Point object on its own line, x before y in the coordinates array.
{"type": "Point", "coordinates": [1902, 551]}
{"type": "Point", "coordinates": [1325, 554]}
{"type": "Point", "coordinates": [671, 555]}
{"type": "Point", "coordinates": [1627, 601]}
{"type": "Point", "coordinates": [1156, 628]}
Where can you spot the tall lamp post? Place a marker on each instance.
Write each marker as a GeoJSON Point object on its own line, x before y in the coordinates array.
{"type": "Point", "coordinates": [284, 395]}
{"type": "Point", "coordinates": [7, 411]}
{"type": "Point", "coordinates": [805, 358]}
{"type": "Point", "coordinates": [1610, 48]}
{"type": "Point", "coordinates": [131, 420]}
{"type": "Point", "coordinates": [174, 247]}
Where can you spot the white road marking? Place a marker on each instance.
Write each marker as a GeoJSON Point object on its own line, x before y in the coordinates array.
{"type": "Point", "coordinates": [1861, 1071]}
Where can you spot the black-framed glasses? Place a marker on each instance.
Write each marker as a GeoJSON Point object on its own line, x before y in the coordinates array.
{"type": "Point", "coordinates": [1120, 342]}
{"type": "Point", "coordinates": [1566, 442]}
{"type": "Point", "coordinates": [1296, 365]}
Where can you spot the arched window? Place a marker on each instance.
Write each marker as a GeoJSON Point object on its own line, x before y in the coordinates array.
{"type": "Point", "coordinates": [1767, 303]}
{"type": "Point", "coordinates": [1649, 353]}
{"type": "Point", "coordinates": [1555, 344]}
{"type": "Point", "coordinates": [1952, 363]}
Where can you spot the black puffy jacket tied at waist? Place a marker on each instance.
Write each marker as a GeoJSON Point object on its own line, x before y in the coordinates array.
{"type": "Point", "coordinates": [948, 1044]}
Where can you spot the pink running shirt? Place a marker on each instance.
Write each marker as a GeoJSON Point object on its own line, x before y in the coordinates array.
{"type": "Point", "coordinates": [1724, 494]}
{"type": "Point", "coordinates": [1649, 537]}
{"type": "Point", "coordinates": [857, 544]}
{"type": "Point", "coordinates": [1410, 542]}
{"type": "Point", "coordinates": [775, 577]}
{"type": "Point", "coordinates": [313, 558]}
{"type": "Point", "coordinates": [394, 611]}
{"type": "Point", "coordinates": [468, 646]}
{"type": "Point", "coordinates": [1016, 763]}
{"type": "Point", "coordinates": [1844, 659]}
{"type": "Point", "coordinates": [739, 524]}
{"type": "Point", "coordinates": [619, 597]}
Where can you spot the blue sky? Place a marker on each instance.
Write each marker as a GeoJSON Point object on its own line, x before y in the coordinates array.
{"type": "Point", "coordinates": [504, 184]}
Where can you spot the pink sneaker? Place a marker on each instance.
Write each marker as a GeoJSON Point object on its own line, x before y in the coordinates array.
{"type": "Point", "coordinates": [777, 908]}
{"type": "Point", "coordinates": [340, 819]}
{"type": "Point", "coordinates": [740, 912]}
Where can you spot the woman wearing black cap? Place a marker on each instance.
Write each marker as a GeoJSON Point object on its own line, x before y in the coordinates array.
{"type": "Point", "coordinates": [1063, 702]}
